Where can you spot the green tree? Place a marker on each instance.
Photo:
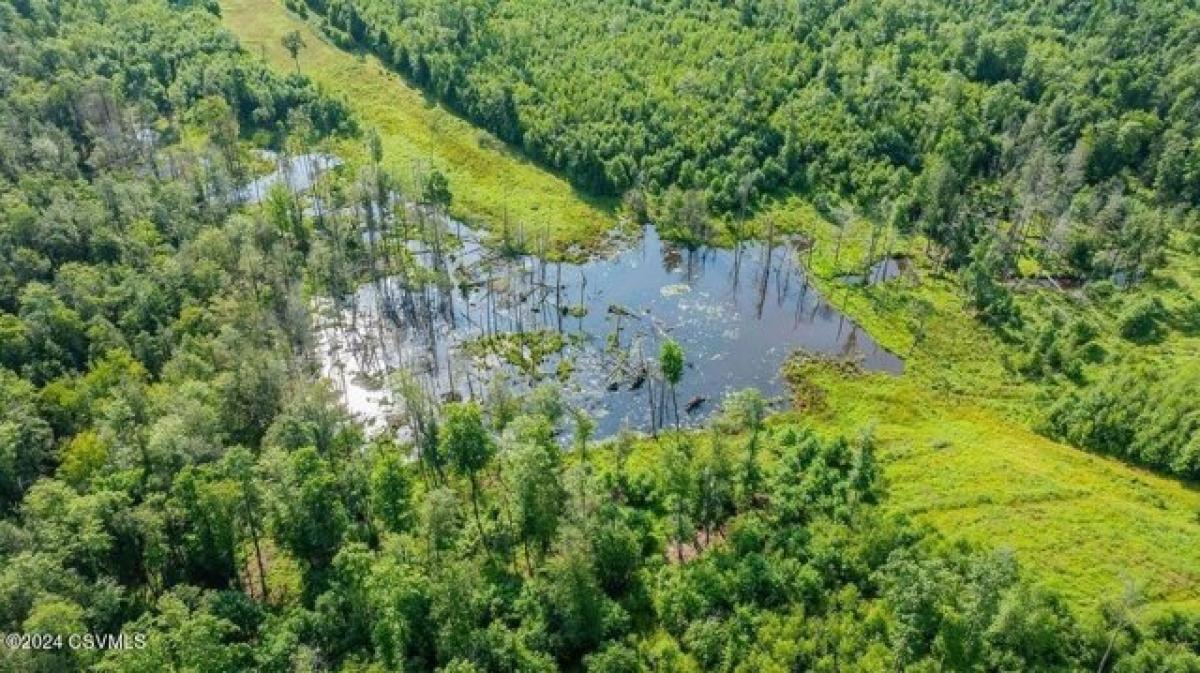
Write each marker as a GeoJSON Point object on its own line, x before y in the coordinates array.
{"type": "Point", "coordinates": [310, 518]}
{"type": "Point", "coordinates": [616, 556]}
{"type": "Point", "coordinates": [440, 522]}
{"type": "Point", "coordinates": [240, 467]}
{"type": "Point", "coordinates": [585, 426]}
{"type": "Point", "coordinates": [680, 490]}
{"type": "Point", "coordinates": [670, 357]}
{"type": "Point", "coordinates": [437, 190]}
{"type": "Point", "coordinates": [714, 477]}
{"type": "Point", "coordinates": [615, 658]}
{"type": "Point", "coordinates": [293, 43]}
{"type": "Point", "coordinates": [390, 488]}
{"type": "Point", "coordinates": [993, 302]}
{"type": "Point", "coordinates": [468, 447]}
{"type": "Point", "coordinates": [539, 495]}
{"type": "Point", "coordinates": [743, 410]}
{"type": "Point", "coordinates": [26, 440]}
{"type": "Point", "coordinates": [208, 505]}
{"type": "Point", "coordinates": [55, 334]}
{"type": "Point", "coordinates": [573, 601]}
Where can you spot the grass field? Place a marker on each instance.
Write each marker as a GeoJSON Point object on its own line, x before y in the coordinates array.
{"type": "Point", "coordinates": [953, 434]}
{"type": "Point", "coordinates": [489, 181]}
{"type": "Point", "coordinates": [953, 430]}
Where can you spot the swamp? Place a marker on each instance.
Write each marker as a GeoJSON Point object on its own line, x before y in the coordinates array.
{"type": "Point", "coordinates": [472, 315]}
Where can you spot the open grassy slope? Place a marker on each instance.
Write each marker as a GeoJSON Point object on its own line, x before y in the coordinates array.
{"type": "Point", "coordinates": [953, 430]}
{"type": "Point", "coordinates": [1082, 523]}
{"type": "Point", "coordinates": [489, 181]}
{"type": "Point", "coordinates": [953, 433]}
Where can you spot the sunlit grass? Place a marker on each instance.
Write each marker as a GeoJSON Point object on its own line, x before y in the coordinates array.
{"type": "Point", "coordinates": [954, 435]}
{"type": "Point", "coordinates": [491, 183]}
{"type": "Point", "coordinates": [1081, 523]}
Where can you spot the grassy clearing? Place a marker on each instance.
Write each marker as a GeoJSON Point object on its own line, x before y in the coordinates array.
{"type": "Point", "coordinates": [491, 183]}
{"type": "Point", "coordinates": [954, 436]}
{"type": "Point", "coordinates": [1081, 523]}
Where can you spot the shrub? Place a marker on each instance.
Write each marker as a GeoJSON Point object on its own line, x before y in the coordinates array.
{"type": "Point", "coordinates": [1143, 321]}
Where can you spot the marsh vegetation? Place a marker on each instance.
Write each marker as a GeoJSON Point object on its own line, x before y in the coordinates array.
{"type": "Point", "coordinates": [302, 371]}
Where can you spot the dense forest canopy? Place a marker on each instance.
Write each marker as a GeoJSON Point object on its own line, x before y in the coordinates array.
{"type": "Point", "coordinates": [171, 464]}
{"type": "Point", "coordinates": [1077, 122]}
{"type": "Point", "coordinates": [111, 257]}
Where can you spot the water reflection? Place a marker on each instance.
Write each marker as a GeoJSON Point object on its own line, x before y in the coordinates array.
{"type": "Point", "coordinates": [295, 173]}
{"type": "Point", "coordinates": [738, 314]}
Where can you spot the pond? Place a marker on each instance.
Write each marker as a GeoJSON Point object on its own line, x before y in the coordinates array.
{"type": "Point", "coordinates": [296, 173]}
{"type": "Point", "coordinates": [593, 329]}
{"type": "Point", "coordinates": [888, 268]}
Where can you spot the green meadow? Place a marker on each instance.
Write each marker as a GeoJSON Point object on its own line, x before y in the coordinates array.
{"type": "Point", "coordinates": [491, 183]}
{"type": "Point", "coordinates": [955, 433]}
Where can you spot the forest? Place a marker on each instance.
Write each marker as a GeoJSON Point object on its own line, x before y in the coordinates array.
{"type": "Point", "coordinates": [1033, 140]}
{"type": "Point", "coordinates": [1072, 123]}
{"type": "Point", "coordinates": [175, 463]}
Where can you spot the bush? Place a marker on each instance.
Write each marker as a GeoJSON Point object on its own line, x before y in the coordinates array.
{"type": "Point", "coordinates": [1100, 291]}
{"type": "Point", "coordinates": [1143, 321]}
{"type": "Point", "coordinates": [1059, 347]}
{"type": "Point", "coordinates": [1145, 415]}
{"type": "Point", "coordinates": [1188, 319]}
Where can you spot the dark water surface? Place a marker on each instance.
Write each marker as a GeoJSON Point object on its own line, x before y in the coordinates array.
{"type": "Point", "coordinates": [737, 313]}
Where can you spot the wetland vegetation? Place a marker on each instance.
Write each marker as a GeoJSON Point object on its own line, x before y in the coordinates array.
{"type": "Point", "coordinates": [374, 335]}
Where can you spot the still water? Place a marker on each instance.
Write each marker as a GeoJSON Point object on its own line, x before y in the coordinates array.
{"type": "Point", "coordinates": [737, 313]}
{"type": "Point", "coordinates": [295, 173]}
